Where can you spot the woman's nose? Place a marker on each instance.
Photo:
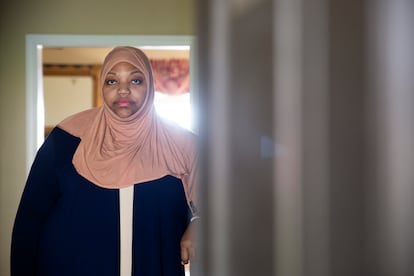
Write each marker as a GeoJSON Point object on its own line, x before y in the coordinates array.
{"type": "Point", "coordinates": [123, 90]}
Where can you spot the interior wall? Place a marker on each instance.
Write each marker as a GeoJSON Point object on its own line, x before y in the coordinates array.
{"type": "Point", "coordinates": [391, 99]}
{"type": "Point", "coordinates": [148, 17]}
{"type": "Point", "coordinates": [307, 143]}
{"type": "Point", "coordinates": [235, 46]}
{"type": "Point", "coordinates": [66, 95]}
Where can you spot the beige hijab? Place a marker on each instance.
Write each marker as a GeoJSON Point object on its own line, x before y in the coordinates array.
{"type": "Point", "coordinates": [119, 152]}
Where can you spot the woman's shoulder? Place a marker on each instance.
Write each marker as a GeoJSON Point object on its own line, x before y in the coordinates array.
{"type": "Point", "coordinates": [58, 145]}
{"type": "Point", "coordinates": [77, 123]}
{"type": "Point", "coordinates": [58, 137]}
{"type": "Point", "coordinates": [179, 132]}
{"type": "Point", "coordinates": [184, 140]}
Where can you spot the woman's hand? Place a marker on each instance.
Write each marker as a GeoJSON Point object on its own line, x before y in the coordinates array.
{"type": "Point", "coordinates": [188, 244]}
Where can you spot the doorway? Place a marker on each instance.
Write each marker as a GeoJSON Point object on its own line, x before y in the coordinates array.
{"type": "Point", "coordinates": [35, 106]}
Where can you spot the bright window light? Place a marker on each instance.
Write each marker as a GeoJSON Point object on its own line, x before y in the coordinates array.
{"type": "Point", "coordinates": [176, 108]}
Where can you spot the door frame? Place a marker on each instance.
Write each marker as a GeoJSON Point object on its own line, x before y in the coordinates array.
{"type": "Point", "coordinates": [34, 74]}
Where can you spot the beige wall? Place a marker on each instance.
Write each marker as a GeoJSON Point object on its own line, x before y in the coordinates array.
{"type": "Point", "coordinates": [20, 17]}
{"type": "Point", "coordinates": [64, 96]}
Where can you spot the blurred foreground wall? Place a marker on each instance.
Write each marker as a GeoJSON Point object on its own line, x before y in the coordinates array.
{"type": "Point", "coordinates": [308, 141]}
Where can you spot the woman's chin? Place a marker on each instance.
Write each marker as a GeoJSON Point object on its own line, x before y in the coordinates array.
{"type": "Point", "coordinates": [124, 112]}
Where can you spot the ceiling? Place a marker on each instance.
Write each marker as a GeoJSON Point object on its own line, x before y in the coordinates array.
{"type": "Point", "coordinates": [79, 55]}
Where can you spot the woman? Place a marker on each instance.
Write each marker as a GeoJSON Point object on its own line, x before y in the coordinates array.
{"type": "Point", "coordinates": [112, 189]}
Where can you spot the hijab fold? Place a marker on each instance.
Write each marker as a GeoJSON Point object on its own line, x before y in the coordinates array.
{"type": "Point", "coordinates": [117, 152]}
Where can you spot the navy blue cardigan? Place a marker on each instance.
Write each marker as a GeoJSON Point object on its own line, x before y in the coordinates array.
{"type": "Point", "coordinates": [66, 225]}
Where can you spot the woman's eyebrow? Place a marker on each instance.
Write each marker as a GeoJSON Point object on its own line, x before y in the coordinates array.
{"type": "Point", "coordinates": [112, 73]}
{"type": "Point", "coordinates": [137, 72]}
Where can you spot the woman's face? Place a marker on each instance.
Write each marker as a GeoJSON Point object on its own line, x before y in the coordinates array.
{"type": "Point", "coordinates": [124, 89]}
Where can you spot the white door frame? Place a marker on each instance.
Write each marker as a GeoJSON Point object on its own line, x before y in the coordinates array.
{"type": "Point", "coordinates": [34, 74]}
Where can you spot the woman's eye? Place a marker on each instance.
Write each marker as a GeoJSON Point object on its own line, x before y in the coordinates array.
{"type": "Point", "coordinates": [136, 81]}
{"type": "Point", "coordinates": [110, 82]}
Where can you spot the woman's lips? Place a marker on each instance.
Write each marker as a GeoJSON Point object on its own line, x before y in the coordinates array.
{"type": "Point", "coordinates": [123, 103]}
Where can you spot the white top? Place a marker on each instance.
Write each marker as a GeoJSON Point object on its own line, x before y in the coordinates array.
{"type": "Point", "coordinates": [126, 204]}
